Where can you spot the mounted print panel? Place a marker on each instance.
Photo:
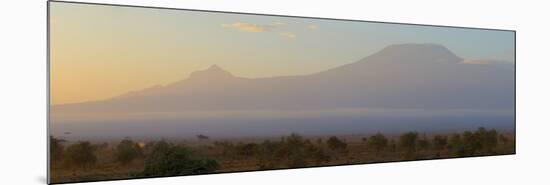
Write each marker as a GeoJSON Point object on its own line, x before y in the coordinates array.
{"type": "Point", "coordinates": [139, 92]}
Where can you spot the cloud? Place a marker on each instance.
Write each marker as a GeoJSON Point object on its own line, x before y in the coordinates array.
{"type": "Point", "coordinates": [254, 28]}
{"type": "Point", "coordinates": [313, 27]}
{"type": "Point", "coordinates": [289, 35]}
{"type": "Point", "coordinates": [277, 24]}
{"type": "Point", "coordinates": [246, 27]}
{"type": "Point", "coordinates": [482, 61]}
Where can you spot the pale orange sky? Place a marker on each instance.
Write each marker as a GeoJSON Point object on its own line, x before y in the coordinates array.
{"type": "Point", "coordinates": [98, 52]}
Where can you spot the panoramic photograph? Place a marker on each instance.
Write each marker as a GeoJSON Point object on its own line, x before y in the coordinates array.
{"type": "Point", "coordinates": [138, 92]}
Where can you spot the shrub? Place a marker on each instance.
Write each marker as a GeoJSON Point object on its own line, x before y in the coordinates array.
{"type": "Point", "coordinates": [407, 142]}
{"type": "Point", "coordinates": [127, 151]}
{"type": "Point", "coordinates": [439, 143]}
{"type": "Point", "coordinates": [336, 144]}
{"type": "Point", "coordinates": [423, 143]}
{"type": "Point", "coordinates": [81, 154]}
{"type": "Point", "coordinates": [378, 142]}
{"type": "Point", "coordinates": [171, 160]}
{"type": "Point", "coordinates": [56, 148]}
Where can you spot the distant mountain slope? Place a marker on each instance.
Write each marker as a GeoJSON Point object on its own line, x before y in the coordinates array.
{"type": "Point", "coordinates": [415, 76]}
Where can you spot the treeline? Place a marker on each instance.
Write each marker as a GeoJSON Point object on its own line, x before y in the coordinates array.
{"type": "Point", "coordinates": [161, 158]}
{"type": "Point", "coordinates": [296, 151]}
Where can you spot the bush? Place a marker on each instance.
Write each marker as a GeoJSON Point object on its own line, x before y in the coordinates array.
{"type": "Point", "coordinates": [291, 151]}
{"type": "Point", "coordinates": [336, 144]}
{"type": "Point", "coordinates": [127, 151]}
{"type": "Point", "coordinates": [56, 148]}
{"type": "Point", "coordinates": [456, 145]}
{"type": "Point", "coordinates": [171, 160]}
{"type": "Point", "coordinates": [407, 142]}
{"type": "Point", "coordinates": [81, 154]}
{"type": "Point", "coordinates": [439, 143]}
{"type": "Point", "coordinates": [378, 142]}
{"type": "Point", "coordinates": [248, 150]}
{"type": "Point", "coordinates": [423, 143]}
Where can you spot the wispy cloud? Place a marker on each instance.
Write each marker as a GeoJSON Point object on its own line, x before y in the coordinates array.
{"type": "Point", "coordinates": [246, 27]}
{"type": "Point", "coordinates": [289, 35]}
{"type": "Point", "coordinates": [483, 61]}
{"type": "Point", "coordinates": [277, 24]}
{"type": "Point", "coordinates": [255, 28]}
{"type": "Point", "coordinates": [475, 61]}
{"type": "Point", "coordinates": [313, 27]}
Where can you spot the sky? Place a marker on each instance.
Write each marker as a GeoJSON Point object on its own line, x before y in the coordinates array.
{"type": "Point", "coordinates": [98, 51]}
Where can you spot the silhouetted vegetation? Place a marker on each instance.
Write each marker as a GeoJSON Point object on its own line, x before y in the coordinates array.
{"type": "Point", "coordinates": [81, 154]}
{"type": "Point", "coordinates": [85, 161]}
{"type": "Point", "coordinates": [202, 137]}
{"type": "Point", "coordinates": [378, 142]}
{"type": "Point", "coordinates": [127, 151]}
{"type": "Point", "coordinates": [56, 148]}
{"type": "Point", "coordinates": [407, 142]}
{"type": "Point", "coordinates": [169, 160]}
{"type": "Point", "coordinates": [439, 144]}
{"type": "Point", "coordinates": [336, 144]}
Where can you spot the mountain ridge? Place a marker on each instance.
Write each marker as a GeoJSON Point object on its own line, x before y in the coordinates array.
{"type": "Point", "coordinates": [383, 79]}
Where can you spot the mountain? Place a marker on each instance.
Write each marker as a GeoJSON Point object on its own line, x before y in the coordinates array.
{"type": "Point", "coordinates": [404, 76]}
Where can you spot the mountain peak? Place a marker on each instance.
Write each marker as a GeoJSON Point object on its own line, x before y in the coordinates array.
{"type": "Point", "coordinates": [420, 52]}
{"type": "Point", "coordinates": [212, 72]}
{"type": "Point", "coordinates": [215, 67]}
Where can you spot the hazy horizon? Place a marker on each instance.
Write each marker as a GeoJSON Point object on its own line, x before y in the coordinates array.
{"type": "Point", "coordinates": [142, 72]}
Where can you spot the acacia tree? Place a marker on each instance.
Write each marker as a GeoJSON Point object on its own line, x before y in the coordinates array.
{"type": "Point", "coordinates": [336, 144]}
{"type": "Point", "coordinates": [407, 142]}
{"type": "Point", "coordinates": [248, 150]}
{"type": "Point", "coordinates": [81, 154]}
{"type": "Point", "coordinates": [489, 140]}
{"type": "Point", "coordinates": [169, 160]}
{"type": "Point", "coordinates": [378, 142]}
{"type": "Point", "coordinates": [292, 151]}
{"type": "Point", "coordinates": [56, 148]}
{"type": "Point", "coordinates": [202, 137]}
{"type": "Point", "coordinates": [127, 150]}
{"type": "Point", "coordinates": [456, 145]}
{"type": "Point", "coordinates": [423, 143]}
{"type": "Point", "coordinates": [439, 143]}
{"type": "Point", "coordinates": [471, 142]}
{"type": "Point", "coordinates": [265, 157]}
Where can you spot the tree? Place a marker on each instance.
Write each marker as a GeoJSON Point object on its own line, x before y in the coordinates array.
{"type": "Point", "coordinates": [407, 142]}
{"type": "Point", "coordinates": [456, 145]}
{"type": "Point", "coordinates": [202, 137]}
{"type": "Point", "coordinates": [56, 148]}
{"type": "Point", "coordinates": [423, 143]}
{"type": "Point", "coordinates": [318, 155]}
{"type": "Point", "coordinates": [248, 150]}
{"type": "Point", "coordinates": [439, 142]}
{"type": "Point", "coordinates": [81, 154]}
{"type": "Point", "coordinates": [378, 142]}
{"type": "Point", "coordinates": [292, 151]}
{"type": "Point", "coordinates": [127, 151]}
{"type": "Point", "coordinates": [471, 142]}
{"type": "Point", "coordinates": [336, 144]}
{"type": "Point", "coordinates": [489, 140]}
{"type": "Point", "coordinates": [266, 159]}
{"type": "Point", "coordinates": [171, 160]}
